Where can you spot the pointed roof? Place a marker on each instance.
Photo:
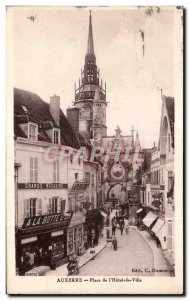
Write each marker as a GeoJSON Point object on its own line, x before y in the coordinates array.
{"type": "Point", "coordinates": [90, 45]}
{"type": "Point", "coordinates": [137, 142]}
{"type": "Point", "coordinates": [169, 102]}
{"type": "Point", "coordinates": [39, 112]}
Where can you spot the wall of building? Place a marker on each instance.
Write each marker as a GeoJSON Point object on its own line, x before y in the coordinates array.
{"type": "Point", "coordinates": [24, 150]}
{"type": "Point", "coordinates": [91, 191]}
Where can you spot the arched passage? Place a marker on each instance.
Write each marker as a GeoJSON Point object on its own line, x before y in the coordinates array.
{"type": "Point", "coordinates": [115, 191]}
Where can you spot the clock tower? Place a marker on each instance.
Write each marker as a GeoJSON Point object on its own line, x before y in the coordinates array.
{"type": "Point", "coordinates": [90, 97]}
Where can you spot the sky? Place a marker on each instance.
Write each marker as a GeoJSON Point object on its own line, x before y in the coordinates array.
{"type": "Point", "coordinates": [49, 47]}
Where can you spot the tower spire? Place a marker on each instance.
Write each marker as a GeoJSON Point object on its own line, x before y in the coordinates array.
{"type": "Point", "coordinates": [90, 45]}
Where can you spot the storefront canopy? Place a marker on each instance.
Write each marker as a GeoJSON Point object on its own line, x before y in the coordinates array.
{"type": "Point", "coordinates": [157, 226]}
{"type": "Point", "coordinates": [149, 219]}
{"type": "Point", "coordinates": [139, 210]}
{"type": "Point", "coordinates": [94, 214]}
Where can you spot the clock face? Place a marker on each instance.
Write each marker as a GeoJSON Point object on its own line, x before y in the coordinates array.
{"type": "Point", "coordinates": [117, 171]}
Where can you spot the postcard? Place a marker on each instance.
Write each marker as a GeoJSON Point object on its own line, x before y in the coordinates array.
{"type": "Point", "coordinates": [95, 150]}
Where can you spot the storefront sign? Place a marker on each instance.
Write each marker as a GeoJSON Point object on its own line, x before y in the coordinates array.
{"type": "Point", "coordinates": [40, 186]}
{"type": "Point", "coordinates": [45, 220]}
{"type": "Point", "coordinates": [77, 219]}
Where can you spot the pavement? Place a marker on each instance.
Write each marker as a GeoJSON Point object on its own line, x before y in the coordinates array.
{"type": "Point", "coordinates": [160, 262]}
{"type": "Point", "coordinates": [83, 259]}
{"type": "Point", "coordinates": [137, 255]}
{"type": "Point", "coordinates": [133, 257]}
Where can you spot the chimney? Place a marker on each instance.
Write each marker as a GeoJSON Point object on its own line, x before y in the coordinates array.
{"type": "Point", "coordinates": [55, 108]}
{"type": "Point", "coordinates": [73, 118]}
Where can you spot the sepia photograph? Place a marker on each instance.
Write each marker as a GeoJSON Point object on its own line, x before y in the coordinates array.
{"type": "Point", "coordinates": [95, 101]}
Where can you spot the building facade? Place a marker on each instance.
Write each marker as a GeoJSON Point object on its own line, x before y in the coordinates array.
{"type": "Point", "coordinates": [53, 184]}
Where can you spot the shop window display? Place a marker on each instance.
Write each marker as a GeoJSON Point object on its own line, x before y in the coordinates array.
{"type": "Point", "coordinates": [70, 241]}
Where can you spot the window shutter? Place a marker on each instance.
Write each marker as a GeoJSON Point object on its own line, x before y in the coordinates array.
{"type": "Point", "coordinates": [54, 171]}
{"type": "Point", "coordinates": [63, 205]}
{"type": "Point", "coordinates": [57, 170]}
{"type": "Point", "coordinates": [36, 169]}
{"type": "Point", "coordinates": [59, 205]}
{"type": "Point", "coordinates": [27, 208]}
{"type": "Point", "coordinates": [50, 206]}
{"type": "Point", "coordinates": [36, 175]}
{"type": "Point", "coordinates": [31, 169]}
{"type": "Point", "coordinates": [39, 208]}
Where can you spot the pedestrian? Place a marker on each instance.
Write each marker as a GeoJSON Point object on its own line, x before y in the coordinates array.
{"type": "Point", "coordinates": [113, 226]}
{"type": "Point", "coordinates": [107, 222]}
{"type": "Point", "coordinates": [126, 225]}
{"type": "Point", "coordinates": [114, 243]}
{"type": "Point", "coordinates": [121, 224]}
{"type": "Point", "coordinates": [157, 242]}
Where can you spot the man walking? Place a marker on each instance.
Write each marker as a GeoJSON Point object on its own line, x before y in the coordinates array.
{"type": "Point", "coordinates": [114, 243]}
{"type": "Point", "coordinates": [113, 226]}
{"type": "Point", "coordinates": [121, 224]}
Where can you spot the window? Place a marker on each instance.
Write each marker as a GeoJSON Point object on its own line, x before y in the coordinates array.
{"type": "Point", "coordinates": [56, 171]}
{"type": "Point", "coordinates": [71, 158]}
{"type": "Point", "coordinates": [32, 132]}
{"type": "Point", "coordinates": [53, 205]}
{"type": "Point", "coordinates": [31, 207]}
{"type": "Point", "coordinates": [24, 109]}
{"type": "Point", "coordinates": [87, 177]}
{"type": "Point", "coordinates": [76, 176]}
{"type": "Point", "coordinates": [56, 137]}
{"type": "Point", "coordinates": [33, 169]}
{"type": "Point", "coordinates": [62, 206]}
{"type": "Point", "coordinates": [148, 197]}
{"type": "Point", "coordinates": [92, 180]}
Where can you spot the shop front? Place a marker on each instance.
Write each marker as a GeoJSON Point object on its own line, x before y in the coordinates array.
{"type": "Point", "coordinates": [94, 223]}
{"type": "Point", "coordinates": [76, 234]}
{"type": "Point", "coordinates": [42, 240]}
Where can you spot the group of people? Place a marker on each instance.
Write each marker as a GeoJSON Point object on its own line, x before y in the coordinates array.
{"type": "Point", "coordinates": [118, 221]}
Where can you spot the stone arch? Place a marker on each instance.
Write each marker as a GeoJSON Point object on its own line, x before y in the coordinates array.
{"type": "Point", "coordinates": [112, 187]}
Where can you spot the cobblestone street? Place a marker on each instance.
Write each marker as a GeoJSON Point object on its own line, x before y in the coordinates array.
{"type": "Point", "coordinates": [133, 253]}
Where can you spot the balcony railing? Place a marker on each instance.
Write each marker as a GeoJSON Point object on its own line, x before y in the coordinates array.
{"type": "Point", "coordinates": [79, 185]}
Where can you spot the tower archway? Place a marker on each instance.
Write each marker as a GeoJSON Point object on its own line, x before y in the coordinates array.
{"type": "Point", "coordinates": [115, 191]}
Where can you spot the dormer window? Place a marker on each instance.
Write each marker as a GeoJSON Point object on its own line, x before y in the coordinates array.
{"type": "Point", "coordinates": [32, 131]}
{"type": "Point", "coordinates": [24, 109]}
{"type": "Point", "coordinates": [56, 136]}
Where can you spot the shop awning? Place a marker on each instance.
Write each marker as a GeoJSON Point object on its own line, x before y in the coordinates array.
{"type": "Point", "coordinates": [169, 257]}
{"type": "Point", "coordinates": [157, 226]}
{"type": "Point", "coordinates": [161, 234]}
{"type": "Point", "coordinates": [94, 213]}
{"type": "Point", "coordinates": [78, 218]}
{"type": "Point", "coordinates": [139, 210]}
{"type": "Point", "coordinates": [149, 219]}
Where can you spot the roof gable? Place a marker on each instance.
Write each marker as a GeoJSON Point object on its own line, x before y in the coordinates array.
{"type": "Point", "coordinates": [38, 111]}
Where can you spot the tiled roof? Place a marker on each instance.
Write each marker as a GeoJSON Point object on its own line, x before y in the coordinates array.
{"type": "Point", "coordinates": [38, 110]}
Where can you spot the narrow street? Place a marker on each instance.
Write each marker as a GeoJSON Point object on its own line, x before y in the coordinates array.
{"type": "Point", "coordinates": [133, 257]}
